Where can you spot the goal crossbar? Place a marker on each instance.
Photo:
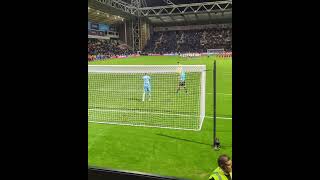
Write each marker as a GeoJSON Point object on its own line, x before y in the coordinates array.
{"type": "Point", "coordinates": [144, 68]}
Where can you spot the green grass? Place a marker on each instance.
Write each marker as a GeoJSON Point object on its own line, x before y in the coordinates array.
{"type": "Point", "coordinates": [184, 154]}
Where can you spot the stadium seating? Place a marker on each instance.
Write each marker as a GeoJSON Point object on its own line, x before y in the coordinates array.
{"type": "Point", "coordinates": [103, 49]}
{"type": "Point", "coordinates": [190, 41]}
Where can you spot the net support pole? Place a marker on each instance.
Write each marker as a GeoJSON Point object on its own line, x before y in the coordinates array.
{"type": "Point", "coordinates": [214, 78]}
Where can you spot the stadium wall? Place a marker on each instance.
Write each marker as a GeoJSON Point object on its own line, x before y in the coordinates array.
{"type": "Point", "coordinates": [145, 33]}
{"type": "Point", "coordinates": [125, 33]}
{"type": "Point", "coordinates": [98, 26]}
{"type": "Point", "coordinates": [121, 31]}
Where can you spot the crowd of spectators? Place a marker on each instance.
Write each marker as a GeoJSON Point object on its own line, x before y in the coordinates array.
{"type": "Point", "coordinates": [166, 42]}
{"type": "Point", "coordinates": [190, 41]}
{"type": "Point", "coordinates": [103, 49]}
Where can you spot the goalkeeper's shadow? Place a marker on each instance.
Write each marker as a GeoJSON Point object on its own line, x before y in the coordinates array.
{"type": "Point", "coordinates": [181, 139]}
{"type": "Point", "coordinates": [187, 140]}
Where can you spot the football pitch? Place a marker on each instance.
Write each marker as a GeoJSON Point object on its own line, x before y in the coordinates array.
{"type": "Point", "coordinates": [167, 152]}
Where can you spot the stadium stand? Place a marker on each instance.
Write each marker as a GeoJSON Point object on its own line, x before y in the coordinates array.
{"type": "Point", "coordinates": [194, 41]}
{"type": "Point", "coordinates": [99, 49]}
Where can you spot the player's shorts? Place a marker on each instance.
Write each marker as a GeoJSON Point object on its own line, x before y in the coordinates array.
{"type": "Point", "coordinates": [147, 89]}
{"type": "Point", "coordinates": [182, 83]}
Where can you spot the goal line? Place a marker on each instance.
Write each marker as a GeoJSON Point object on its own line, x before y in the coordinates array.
{"type": "Point", "coordinates": [148, 112]}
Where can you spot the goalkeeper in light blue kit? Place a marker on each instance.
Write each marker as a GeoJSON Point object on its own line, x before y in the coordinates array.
{"type": "Point", "coordinates": [146, 86]}
{"type": "Point", "coordinates": [182, 80]}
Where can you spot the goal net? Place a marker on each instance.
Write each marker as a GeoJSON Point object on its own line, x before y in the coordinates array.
{"type": "Point", "coordinates": [116, 93]}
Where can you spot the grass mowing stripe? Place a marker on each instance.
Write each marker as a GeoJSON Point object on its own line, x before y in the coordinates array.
{"type": "Point", "coordinates": [185, 154]}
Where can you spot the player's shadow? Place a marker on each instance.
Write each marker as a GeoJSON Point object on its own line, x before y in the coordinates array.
{"type": "Point", "coordinates": [187, 140]}
{"type": "Point", "coordinates": [181, 139]}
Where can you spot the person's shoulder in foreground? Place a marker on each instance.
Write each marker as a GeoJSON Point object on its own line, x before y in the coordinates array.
{"type": "Point", "coordinates": [224, 169]}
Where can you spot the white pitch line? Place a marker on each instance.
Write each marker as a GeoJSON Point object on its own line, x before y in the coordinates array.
{"type": "Point", "coordinates": [140, 112]}
{"type": "Point", "coordinates": [218, 117]}
{"type": "Point", "coordinates": [124, 124]}
{"type": "Point", "coordinates": [222, 94]}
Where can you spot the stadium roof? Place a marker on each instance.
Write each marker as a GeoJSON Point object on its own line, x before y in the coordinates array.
{"type": "Point", "coordinates": [152, 3]}
{"type": "Point", "coordinates": [103, 17]}
{"type": "Point", "coordinates": [164, 12]}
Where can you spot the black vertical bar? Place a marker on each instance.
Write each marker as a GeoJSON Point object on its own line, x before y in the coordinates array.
{"type": "Point", "coordinates": [214, 102]}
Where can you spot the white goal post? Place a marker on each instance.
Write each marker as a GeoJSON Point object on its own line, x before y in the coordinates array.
{"type": "Point", "coordinates": [116, 94]}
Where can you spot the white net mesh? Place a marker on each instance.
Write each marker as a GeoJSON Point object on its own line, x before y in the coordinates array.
{"type": "Point", "coordinates": [115, 96]}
